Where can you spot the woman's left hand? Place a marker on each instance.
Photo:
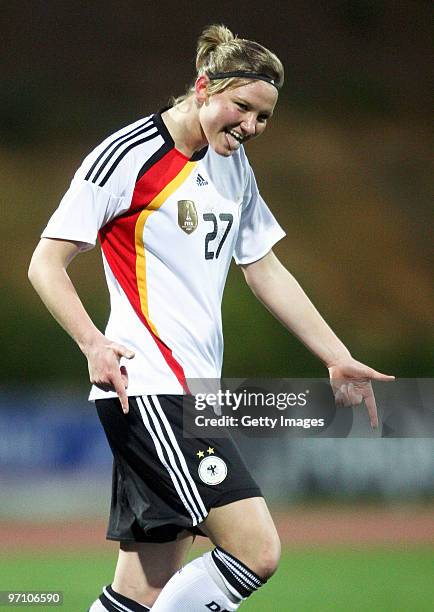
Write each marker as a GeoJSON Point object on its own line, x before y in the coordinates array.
{"type": "Point", "coordinates": [351, 384]}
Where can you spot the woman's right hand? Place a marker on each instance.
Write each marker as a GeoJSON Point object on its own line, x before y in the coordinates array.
{"type": "Point", "coordinates": [105, 371]}
{"type": "Point", "coordinates": [48, 275]}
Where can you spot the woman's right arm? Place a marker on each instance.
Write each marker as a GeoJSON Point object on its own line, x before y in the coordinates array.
{"type": "Point", "coordinates": [48, 275]}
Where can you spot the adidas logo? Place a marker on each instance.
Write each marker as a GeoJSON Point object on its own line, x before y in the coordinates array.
{"type": "Point", "coordinates": [201, 181]}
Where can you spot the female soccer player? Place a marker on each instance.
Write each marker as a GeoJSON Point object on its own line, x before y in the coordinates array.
{"type": "Point", "coordinates": [172, 199]}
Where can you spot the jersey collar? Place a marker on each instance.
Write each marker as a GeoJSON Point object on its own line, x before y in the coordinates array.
{"type": "Point", "coordinates": [197, 155]}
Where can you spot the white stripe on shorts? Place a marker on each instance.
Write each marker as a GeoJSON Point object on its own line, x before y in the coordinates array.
{"type": "Point", "coordinates": [181, 457]}
{"type": "Point", "coordinates": [160, 442]}
{"type": "Point", "coordinates": [169, 465]}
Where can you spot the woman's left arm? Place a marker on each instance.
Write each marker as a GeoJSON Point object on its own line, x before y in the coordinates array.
{"type": "Point", "coordinates": [278, 290]}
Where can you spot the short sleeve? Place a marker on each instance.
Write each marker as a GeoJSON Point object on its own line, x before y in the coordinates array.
{"type": "Point", "coordinates": [83, 210]}
{"type": "Point", "coordinates": [103, 185]}
{"type": "Point", "coordinates": [258, 230]}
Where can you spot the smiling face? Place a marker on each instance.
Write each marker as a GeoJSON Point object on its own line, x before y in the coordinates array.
{"type": "Point", "coordinates": [236, 115]}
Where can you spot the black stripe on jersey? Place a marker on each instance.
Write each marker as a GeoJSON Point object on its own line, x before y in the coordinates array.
{"type": "Point", "coordinates": [134, 132]}
{"type": "Point", "coordinates": [198, 155]}
{"type": "Point", "coordinates": [158, 120]}
{"type": "Point", "coordinates": [122, 155]}
{"type": "Point", "coordinates": [162, 151]}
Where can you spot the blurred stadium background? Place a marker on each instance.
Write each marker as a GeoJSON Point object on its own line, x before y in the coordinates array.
{"type": "Point", "coordinates": [346, 167]}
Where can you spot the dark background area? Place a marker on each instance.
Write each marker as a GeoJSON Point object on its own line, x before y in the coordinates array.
{"type": "Point", "coordinates": [345, 165]}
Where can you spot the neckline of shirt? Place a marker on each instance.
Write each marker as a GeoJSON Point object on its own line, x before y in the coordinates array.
{"type": "Point", "coordinates": [158, 120]}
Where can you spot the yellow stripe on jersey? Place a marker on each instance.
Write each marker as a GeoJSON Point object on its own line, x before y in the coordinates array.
{"type": "Point", "coordinates": [153, 205]}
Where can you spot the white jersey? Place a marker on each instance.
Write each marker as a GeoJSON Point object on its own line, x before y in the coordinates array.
{"type": "Point", "coordinates": [168, 227]}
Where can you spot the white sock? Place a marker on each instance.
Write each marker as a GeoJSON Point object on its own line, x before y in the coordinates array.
{"type": "Point", "coordinates": [193, 590]}
{"type": "Point", "coordinates": [97, 607]}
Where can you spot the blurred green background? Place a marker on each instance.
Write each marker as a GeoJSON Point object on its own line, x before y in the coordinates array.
{"type": "Point", "coordinates": [327, 581]}
{"type": "Point", "coordinates": [345, 165]}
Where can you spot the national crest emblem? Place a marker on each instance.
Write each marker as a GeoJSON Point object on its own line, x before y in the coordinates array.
{"type": "Point", "coordinates": [212, 470]}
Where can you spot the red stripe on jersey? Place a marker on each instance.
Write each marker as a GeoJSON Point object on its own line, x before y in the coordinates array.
{"type": "Point", "coordinates": [117, 240]}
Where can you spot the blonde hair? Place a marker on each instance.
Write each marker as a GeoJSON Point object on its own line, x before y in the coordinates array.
{"type": "Point", "coordinates": [219, 51]}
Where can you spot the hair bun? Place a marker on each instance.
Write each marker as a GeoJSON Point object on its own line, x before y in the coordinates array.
{"type": "Point", "coordinates": [219, 52]}
{"type": "Point", "coordinates": [211, 37]}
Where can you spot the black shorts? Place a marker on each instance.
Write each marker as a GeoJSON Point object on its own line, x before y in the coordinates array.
{"type": "Point", "coordinates": [164, 482]}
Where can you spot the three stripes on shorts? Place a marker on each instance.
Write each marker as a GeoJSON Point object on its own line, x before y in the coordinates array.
{"type": "Point", "coordinates": [171, 456]}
